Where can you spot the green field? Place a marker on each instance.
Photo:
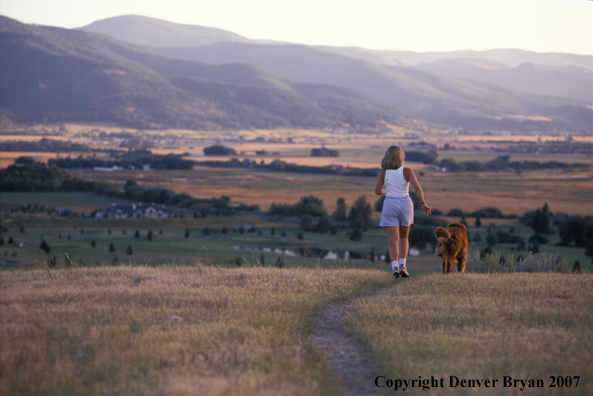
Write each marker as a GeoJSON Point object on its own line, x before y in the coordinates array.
{"type": "Point", "coordinates": [74, 236]}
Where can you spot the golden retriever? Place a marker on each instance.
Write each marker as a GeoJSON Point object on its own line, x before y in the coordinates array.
{"type": "Point", "coordinates": [452, 246]}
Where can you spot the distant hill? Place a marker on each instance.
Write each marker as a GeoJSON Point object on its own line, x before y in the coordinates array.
{"type": "Point", "coordinates": [59, 75]}
{"type": "Point", "coordinates": [156, 33]}
{"type": "Point", "coordinates": [474, 105]}
{"type": "Point", "coordinates": [510, 57]}
{"type": "Point", "coordinates": [150, 32]}
{"type": "Point", "coordinates": [570, 82]}
{"type": "Point", "coordinates": [63, 75]}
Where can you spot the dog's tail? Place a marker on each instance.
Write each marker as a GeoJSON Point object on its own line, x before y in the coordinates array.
{"type": "Point", "coordinates": [442, 233]}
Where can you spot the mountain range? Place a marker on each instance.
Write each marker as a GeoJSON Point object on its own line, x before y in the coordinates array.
{"type": "Point", "coordinates": [143, 72]}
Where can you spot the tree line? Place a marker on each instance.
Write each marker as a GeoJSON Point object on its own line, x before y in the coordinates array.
{"type": "Point", "coordinates": [35, 177]}
{"type": "Point", "coordinates": [43, 145]}
{"type": "Point", "coordinates": [131, 159]}
{"type": "Point", "coordinates": [503, 162]}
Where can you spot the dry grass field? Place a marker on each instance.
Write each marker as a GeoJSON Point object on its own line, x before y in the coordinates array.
{"type": "Point", "coordinates": [202, 330]}
{"type": "Point", "coordinates": [168, 330]}
{"type": "Point", "coordinates": [483, 326]}
{"type": "Point", "coordinates": [508, 191]}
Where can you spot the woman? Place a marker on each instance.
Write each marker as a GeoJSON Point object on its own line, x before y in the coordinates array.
{"type": "Point", "coordinates": [398, 210]}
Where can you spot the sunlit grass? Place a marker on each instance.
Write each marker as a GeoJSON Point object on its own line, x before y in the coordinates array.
{"type": "Point", "coordinates": [168, 330]}
{"type": "Point", "coordinates": [484, 326]}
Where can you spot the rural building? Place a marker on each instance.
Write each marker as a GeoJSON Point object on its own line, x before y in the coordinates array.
{"type": "Point", "coordinates": [134, 211]}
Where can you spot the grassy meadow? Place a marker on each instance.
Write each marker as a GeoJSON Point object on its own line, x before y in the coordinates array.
{"type": "Point", "coordinates": [202, 330]}
{"type": "Point", "coordinates": [482, 326]}
{"type": "Point", "coordinates": [170, 330]}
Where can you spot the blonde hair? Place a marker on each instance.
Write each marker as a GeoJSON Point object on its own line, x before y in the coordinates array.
{"type": "Point", "coordinates": [393, 159]}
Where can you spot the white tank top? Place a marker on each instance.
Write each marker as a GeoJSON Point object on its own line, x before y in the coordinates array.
{"type": "Point", "coordinates": [396, 185]}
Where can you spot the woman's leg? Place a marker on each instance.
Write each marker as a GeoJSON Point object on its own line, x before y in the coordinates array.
{"type": "Point", "coordinates": [404, 244]}
{"type": "Point", "coordinates": [392, 242]}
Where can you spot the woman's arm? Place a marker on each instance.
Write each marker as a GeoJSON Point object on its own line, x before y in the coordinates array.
{"type": "Point", "coordinates": [380, 180]}
{"type": "Point", "coordinates": [427, 209]}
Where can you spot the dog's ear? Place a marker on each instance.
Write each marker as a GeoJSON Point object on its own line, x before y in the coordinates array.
{"type": "Point", "coordinates": [442, 233]}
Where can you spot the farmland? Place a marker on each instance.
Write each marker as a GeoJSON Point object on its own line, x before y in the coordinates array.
{"type": "Point", "coordinates": [509, 191]}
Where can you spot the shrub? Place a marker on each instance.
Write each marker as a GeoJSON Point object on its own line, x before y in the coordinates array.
{"type": "Point", "coordinates": [324, 152]}
{"type": "Point", "coordinates": [488, 213]}
{"type": "Point", "coordinates": [421, 235]}
{"type": "Point", "coordinates": [455, 212]}
{"type": "Point", "coordinates": [323, 226]}
{"type": "Point", "coordinates": [219, 150]}
{"type": "Point", "coordinates": [45, 247]}
{"type": "Point", "coordinates": [541, 239]}
{"type": "Point", "coordinates": [306, 223]}
{"type": "Point", "coordinates": [356, 235]}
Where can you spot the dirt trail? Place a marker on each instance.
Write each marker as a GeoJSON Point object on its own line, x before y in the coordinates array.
{"type": "Point", "coordinates": [353, 367]}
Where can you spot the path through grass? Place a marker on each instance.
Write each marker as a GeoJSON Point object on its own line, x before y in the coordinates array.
{"type": "Point", "coordinates": [169, 330]}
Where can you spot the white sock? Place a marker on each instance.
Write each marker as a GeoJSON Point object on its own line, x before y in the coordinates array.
{"type": "Point", "coordinates": [402, 263]}
{"type": "Point", "coordinates": [394, 267]}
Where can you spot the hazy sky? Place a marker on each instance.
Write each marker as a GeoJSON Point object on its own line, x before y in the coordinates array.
{"type": "Point", "coordinates": [415, 25]}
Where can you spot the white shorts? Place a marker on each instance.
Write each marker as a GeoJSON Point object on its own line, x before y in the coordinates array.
{"type": "Point", "coordinates": [397, 211]}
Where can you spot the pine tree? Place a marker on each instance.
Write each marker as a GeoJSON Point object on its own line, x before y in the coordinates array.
{"type": "Point", "coordinates": [360, 214]}
{"type": "Point", "coordinates": [111, 247]}
{"type": "Point", "coordinates": [45, 247]}
{"type": "Point", "coordinates": [129, 250]}
{"type": "Point", "coordinates": [340, 214]}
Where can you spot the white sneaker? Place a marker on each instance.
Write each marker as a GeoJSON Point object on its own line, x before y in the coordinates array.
{"type": "Point", "coordinates": [395, 270]}
{"type": "Point", "coordinates": [403, 272]}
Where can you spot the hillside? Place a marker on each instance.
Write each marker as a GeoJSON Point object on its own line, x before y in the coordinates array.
{"type": "Point", "coordinates": [60, 75]}
{"type": "Point", "coordinates": [570, 82]}
{"type": "Point", "coordinates": [510, 57]}
{"type": "Point", "coordinates": [136, 29]}
{"type": "Point", "coordinates": [52, 74]}
{"type": "Point", "coordinates": [475, 105]}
